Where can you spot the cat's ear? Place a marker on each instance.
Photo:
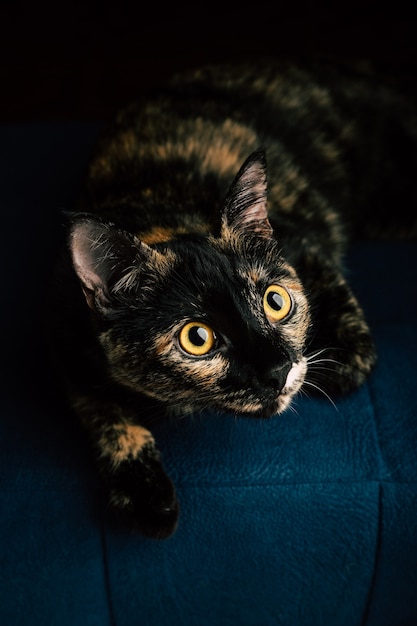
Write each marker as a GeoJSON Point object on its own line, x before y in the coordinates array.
{"type": "Point", "coordinates": [245, 206]}
{"type": "Point", "coordinates": [106, 260]}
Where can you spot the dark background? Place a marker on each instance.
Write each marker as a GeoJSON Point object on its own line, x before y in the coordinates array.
{"type": "Point", "coordinates": [81, 60]}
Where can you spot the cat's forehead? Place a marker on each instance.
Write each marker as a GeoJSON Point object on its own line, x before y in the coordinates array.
{"type": "Point", "coordinates": [262, 271]}
{"type": "Point", "coordinates": [208, 265]}
{"type": "Point", "coordinates": [196, 266]}
{"type": "Point", "coordinates": [256, 260]}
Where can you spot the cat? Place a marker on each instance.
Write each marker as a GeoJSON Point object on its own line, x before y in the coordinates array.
{"type": "Point", "coordinates": [204, 262]}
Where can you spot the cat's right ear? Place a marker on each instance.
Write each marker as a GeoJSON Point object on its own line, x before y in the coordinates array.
{"type": "Point", "coordinates": [245, 209]}
{"type": "Point", "coordinates": [106, 260]}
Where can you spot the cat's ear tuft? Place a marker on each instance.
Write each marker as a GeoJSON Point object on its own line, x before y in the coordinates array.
{"type": "Point", "coordinates": [105, 259]}
{"type": "Point", "coordinates": [245, 209]}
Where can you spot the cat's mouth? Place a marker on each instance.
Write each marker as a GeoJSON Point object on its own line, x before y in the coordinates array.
{"type": "Point", "coordinates": [272, 403]}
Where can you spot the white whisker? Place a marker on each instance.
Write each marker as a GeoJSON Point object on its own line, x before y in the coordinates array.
{"type": "Point", "coordinates": [307, 382]}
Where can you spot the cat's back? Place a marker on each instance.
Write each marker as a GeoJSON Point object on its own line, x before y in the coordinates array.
{"type": "Point", "coordinates": [217, 113]}
{"type": "Point", "coordinates": [180, 146]}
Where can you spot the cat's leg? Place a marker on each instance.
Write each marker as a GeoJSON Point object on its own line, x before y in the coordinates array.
{"type": "Point", "coordinates": [341, 352]}
{"type": "Point", "coordinates": [140, 494]}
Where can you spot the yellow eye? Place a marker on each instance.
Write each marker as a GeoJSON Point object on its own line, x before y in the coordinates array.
{"type": "Point", "coordinates": [197, 338]}
{"type": "Point", "coordinates": [277, 303]}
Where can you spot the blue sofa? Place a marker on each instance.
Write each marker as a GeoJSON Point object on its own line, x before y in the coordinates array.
{"type": "Point", "coordinates": [307, 519]}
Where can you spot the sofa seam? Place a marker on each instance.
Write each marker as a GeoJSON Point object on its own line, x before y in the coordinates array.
{"type": "Point", "coordinates": [376, 559]}
{"type": "Point", "coordinates": [383, 469]}
{"type": "Point", "coordinates": [106, 570]}
{"type": "Point", "coordinates": [376, 481]}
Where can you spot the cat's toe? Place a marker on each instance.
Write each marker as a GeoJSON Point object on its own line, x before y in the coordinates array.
{"type": "Point", "coordinates": [143, 498]}
{"type": "Point", "coordinates": [356, 364]}
{"type": "Point", "coordinates": [155, 520]}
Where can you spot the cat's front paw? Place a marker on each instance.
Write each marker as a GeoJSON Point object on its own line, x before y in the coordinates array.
{"type": "Point", "coordinates": [352, 366]}
{"type": "Point", "coordinates": [342, 369]}
{"type": "Point", "coordinates": [142, 497]}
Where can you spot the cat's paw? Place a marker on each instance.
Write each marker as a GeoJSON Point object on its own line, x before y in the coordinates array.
{"type": "Point", "coordinates": [142, 497]}
{"type": "Point", "coordinates": [351, 366]}
{"type": "Point", "coordinates": [342, 350]}
{"type": "Point", "coordinates": [346, 365]}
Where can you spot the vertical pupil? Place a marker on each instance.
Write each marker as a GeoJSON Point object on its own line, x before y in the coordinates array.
{"type": "Point", "coordinates": [275, 300]}
{"type": "Point", "coordinates": [198, 336]}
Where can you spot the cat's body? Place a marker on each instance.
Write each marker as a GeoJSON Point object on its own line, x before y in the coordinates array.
{"type": "Point", "coordinates": [196, 285]}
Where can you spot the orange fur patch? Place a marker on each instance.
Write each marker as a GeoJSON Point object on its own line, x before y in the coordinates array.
{"type": "Point", "coordinates": [124, 441]}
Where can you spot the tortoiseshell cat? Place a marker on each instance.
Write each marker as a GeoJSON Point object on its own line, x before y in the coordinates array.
{"type": "Point", "coordinates": [204, 266]}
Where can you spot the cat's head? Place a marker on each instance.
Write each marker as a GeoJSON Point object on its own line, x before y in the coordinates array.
{"type": "Point", "coordinates": [200, 320]}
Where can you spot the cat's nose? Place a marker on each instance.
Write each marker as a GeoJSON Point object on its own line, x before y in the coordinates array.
{"type": "Point", "coordinates": [277, 375]}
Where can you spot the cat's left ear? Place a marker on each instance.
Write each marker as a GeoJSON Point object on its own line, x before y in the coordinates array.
{"type": "Point", "coordinates": [106, 260]}
{"type": "Point", "coordinates": [245, 206]}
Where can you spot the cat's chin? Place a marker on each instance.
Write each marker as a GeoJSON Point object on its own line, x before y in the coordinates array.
{"type": "Point", "coordinates": [268, 410]}
{"type": "Point", "coordinates": [282, 402]}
